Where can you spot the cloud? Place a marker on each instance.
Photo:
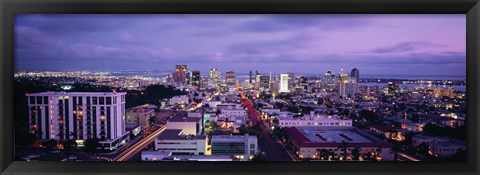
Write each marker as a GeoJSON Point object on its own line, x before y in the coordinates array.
{"type": "Point", "coordinates": [29, 38]}
{"type": "Point", "coordinates": [285, 23]}
{"type": "Point", "coordinates": [406, 46]}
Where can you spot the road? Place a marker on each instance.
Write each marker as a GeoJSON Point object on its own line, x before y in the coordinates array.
{"type": "Point", "coordinates": [273, 150]}
{"type": "Point", "coordinates": [139, 146]}
{"type": "Point", "coordinates": [406, 157]}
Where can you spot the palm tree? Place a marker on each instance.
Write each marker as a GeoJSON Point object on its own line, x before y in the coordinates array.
{"type": "Point", "coordinates": [395, 149]}
{"type": "Point", "coordinates": [344, 146]}
{"type": "Point", "coordinates": [356, 153]}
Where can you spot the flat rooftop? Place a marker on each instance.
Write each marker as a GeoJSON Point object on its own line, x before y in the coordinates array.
{"type": "Point", "coordinates": [182, 116]}
{"type": "Point", "coordinates": [176, 134]}
{"type": "Point", "coordinates": [333, 137]}
{"type": "Point", "coordinates": [232, 138]}
{"type": "Point", "coordinates": [76, 93]}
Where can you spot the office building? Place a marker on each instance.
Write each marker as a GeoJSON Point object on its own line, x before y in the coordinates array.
{"type": "Point", "coordinates": [240, 146]}
{"type": "Point", "coordinates": [284, 83]}
{"type": "Point", "coordinates": [313, 120]}
{"type": "Point", "coordinates": [178, 142]}
{"type": "Point", "coordinates": [329, 78]}
{"type": "Point", "coordinates": [303, 83]}
{"type": "Point", "coordinates": [291, 81]}
{"type": "Point", "coordinates": [230, 78]}
{"type": "Point", "coordinates": [338, 143]}
{"type": "Point", "coordinates": [188, 124]}
{"type": "Point", "coordinates": [354, 81]}
{"type": "Point", "coordinates": [264, 83]}
{"type": "Point", "coordinates": [196, 78]}
{"type": "Point", "coordinates": [342, 81]}
{"type": "Point", "coordinates": [179, 78]}
{"type": "Point", "coordinates": [79, 116]}
{"type": "Point", "coordinates": [215, 77]}
{"type": "Point", "coordinates": [184, 68]}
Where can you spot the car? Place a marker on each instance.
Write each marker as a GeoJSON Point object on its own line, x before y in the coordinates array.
{"type": "Point", "coordinates": [55, 151]}
{"type": "Point", "coordinates": [72, 157]}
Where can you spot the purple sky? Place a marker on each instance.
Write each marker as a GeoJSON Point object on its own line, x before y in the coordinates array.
{"type": "Point", "coordinates": [375, 44]}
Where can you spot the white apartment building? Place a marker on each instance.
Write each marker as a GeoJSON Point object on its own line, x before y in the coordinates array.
{"type": "Point", "coordinates": [176, 141]}
{"type": "Point", "coordinates": [313, 120]}
{"type": "Point", "coordinates": [79, 116]}
{"type": "Point", "coordinates": [241, 146]}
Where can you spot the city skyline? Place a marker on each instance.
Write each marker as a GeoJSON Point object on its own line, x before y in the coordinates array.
{"type": "Point", "coordinates": [375, 44]}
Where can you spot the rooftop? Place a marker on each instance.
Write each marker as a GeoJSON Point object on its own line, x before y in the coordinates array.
{"type": "Point", "coordinates": [232, 138]}
{"type": "Point", "coordinates": [177, 134]}
{"type": "Point", "coordinates": [76, 93]}
{"type": "Point", "coordinates": [182, 116]}
{"type": "Point", "coordinates": [333, 137]}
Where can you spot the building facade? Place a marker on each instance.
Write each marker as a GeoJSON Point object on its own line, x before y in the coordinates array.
{"type": "Point", "coordinates": [242, 147]}
{"type": "Point", "coordinates": [177, 142]}
{"type": "Point", "coordinates": [78, 116]}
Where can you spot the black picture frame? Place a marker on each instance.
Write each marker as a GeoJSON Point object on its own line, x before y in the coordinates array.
{"type": "Point", "coordinates": [9, 8]}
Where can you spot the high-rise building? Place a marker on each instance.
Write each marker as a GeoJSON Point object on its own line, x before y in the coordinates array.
{"type": "Point", "coordinates": [184, 68]}
{"type": "Point", "coordinates": [264, 82]}
{"type": "Point", "coordinates": [79, 116]}
{"type": "Point", "coordinates": [284, 83]}
{"type": "Point", "coordinates": [230, 78]}
{"type": "Point", "coordinates": [291, 80]}
{"type": "Point", "coordinates": [179, 78]}
{"type": "Point", "coordinates": [303, 82]}
{"type": "Point", "coordinates": [342, 81]}
{"type": "Point", "coordinates": [329, 78]}
{"type": "Point", "coordinates": [250, 77]}
{"type": "Point", "coordinates": [354, 80]}
{"type": "Point", "coordinates": [215, 76]}
{"type": "Point", "coordinates": [196, 77]}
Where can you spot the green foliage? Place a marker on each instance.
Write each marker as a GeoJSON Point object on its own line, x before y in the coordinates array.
{"type": "Point", "coordinates": [91, 145]}
{"type": "Point", "coordinates": [52, 143]}
{"type": "Point", "coordinates": [254, 130]}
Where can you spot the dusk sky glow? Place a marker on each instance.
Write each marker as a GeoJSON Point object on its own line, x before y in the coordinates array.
{"type": "Point", "coordinates": [375, 44]}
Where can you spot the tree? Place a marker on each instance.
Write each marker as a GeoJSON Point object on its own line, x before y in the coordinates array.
{"type": "Point", "coordinates": [356, 153]}
{"type": "Point", "coordinates": [369, 116]}
{"type": "Point", "coordinates": [69, 145]}
{"type": "Point", "coordinates": [344, 147]}
{"type": "Point", "coordinates": [52, 143]}
{"type": "Point", "coordinates": [423, 149]}
{"type": "Point", "coordinates": [91, 145]}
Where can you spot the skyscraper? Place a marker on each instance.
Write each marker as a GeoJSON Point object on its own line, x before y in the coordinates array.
{"type": "Point", "coordinates": [196, 77]}
{"type": "Point", "coordinates": [284, 83]}
{"type": "Point", "coordinates": [183, 68]}
{"type": "Point", "coordinates": [250, 77]}
{"type": "Point", "coordinates": [230, 78]}
{"type": "Point", "coordinates": [291, 80]}
{"type": "Point", "coordinates": [354, 80]}
{"type": "Point", "coordinates": [179, 78]}
{"type": "Point", "coordinates": [303, 82]}
{"type": "Point", "coordinates": [329, 78]}
{"type": "Point", "coordinates": [264, 82]}
{"type": "Point", "coordinates": [215, 76]}
{"type": "Point", "coordinates": [342, 80]}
